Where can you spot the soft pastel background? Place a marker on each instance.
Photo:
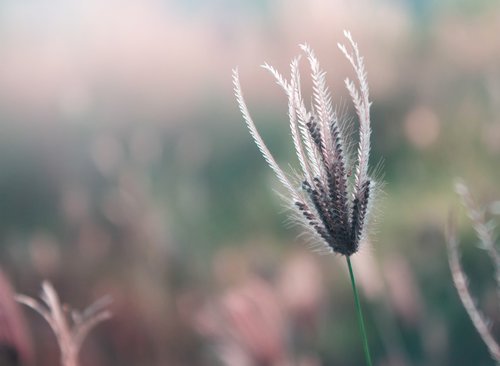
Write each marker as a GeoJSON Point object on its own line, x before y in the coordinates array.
{"type": "Point", "coordinates": [126, 169]}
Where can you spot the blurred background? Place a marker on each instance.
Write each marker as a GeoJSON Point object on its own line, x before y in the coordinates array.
{"type": "Point", "coordinates": [126, 169]}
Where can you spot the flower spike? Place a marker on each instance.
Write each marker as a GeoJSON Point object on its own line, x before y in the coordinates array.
{"type": "Point", "coordinates": [331, 205]}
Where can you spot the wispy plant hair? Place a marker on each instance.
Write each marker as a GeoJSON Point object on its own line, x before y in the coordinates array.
{"type": "Point", "coordinates": [329, 203]}
{"type": "Point", "coordinates": [69, 334]}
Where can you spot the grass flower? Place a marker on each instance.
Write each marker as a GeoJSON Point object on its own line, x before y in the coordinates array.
{"type": "Point", "coordinates": [330, 203]}
{"type": "Point", "coordinates": [70, 335]}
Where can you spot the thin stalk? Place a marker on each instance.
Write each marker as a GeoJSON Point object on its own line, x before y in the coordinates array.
{"type": "Point", "coordinates": [360, 313]}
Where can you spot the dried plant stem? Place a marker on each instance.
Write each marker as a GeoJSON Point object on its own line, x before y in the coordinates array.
{"type": "Point", "coordinates": [483, 230]}
{"type": "Point", "coordinates": [359, 313]}
{"type": "Point", "coordinates": [69, 331]}
{"type": "Point", "coordinates": [460, 280]}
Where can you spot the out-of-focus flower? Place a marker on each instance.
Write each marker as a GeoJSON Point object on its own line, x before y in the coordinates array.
{"type": "Point", "coordinates": [247, 326]}
{"type": "Point", "coordinates": [422, 127]}
{"type": "Point", "coordinates": [15, 345]}
{"type": "Point", "coordinates": [301, 288]}
{"type": "Point", "coordinates": [368, 275]}
{"type": "Point", "coordinates": [403, 289]}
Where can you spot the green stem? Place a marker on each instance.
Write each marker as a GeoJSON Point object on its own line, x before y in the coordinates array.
{"type": "Point", "coordinates": [360, 314]}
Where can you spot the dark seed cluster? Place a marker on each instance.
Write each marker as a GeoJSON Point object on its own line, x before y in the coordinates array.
{"type": "Point", "coordinates": [332, 204]}
{"type": "Point", "coordinates": [338, 219]}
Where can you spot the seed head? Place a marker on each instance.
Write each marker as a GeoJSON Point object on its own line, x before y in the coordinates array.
{"type": "Point", "coordinates": [331, 204]}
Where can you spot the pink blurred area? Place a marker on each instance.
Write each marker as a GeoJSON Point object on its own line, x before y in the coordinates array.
{"type": "Point", "coordinates": [61, 60]}
{"type": "Point", "coordinates": [15, 342]}
{"type": "Point", "coordinates": [151, 61]}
